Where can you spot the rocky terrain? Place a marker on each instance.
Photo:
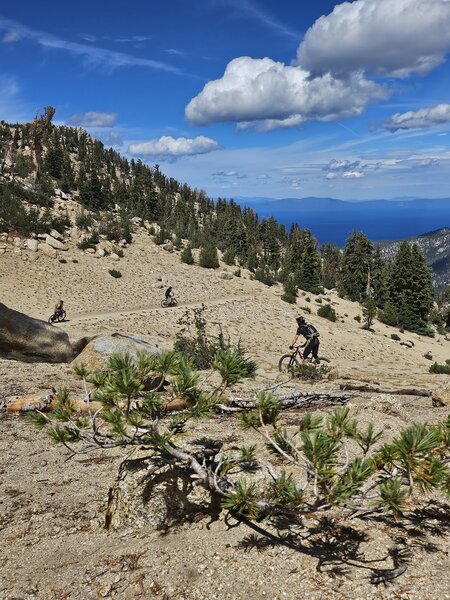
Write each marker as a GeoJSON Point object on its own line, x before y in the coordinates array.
{"type": "Point", "coordinates": [435, 247]}
{"type": "Point", "coordinates": [52, 544]}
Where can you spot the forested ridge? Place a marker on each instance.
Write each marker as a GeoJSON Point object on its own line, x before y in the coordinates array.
{"type": "Point", "coordinates": [38, 157]}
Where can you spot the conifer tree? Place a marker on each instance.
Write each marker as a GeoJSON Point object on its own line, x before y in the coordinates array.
{"type": "Point", "coordinates": [356, 262]}
{"type": "Point", "coordinates": [186, 255]}
{"type": "Point", "coordinates": [208, 257]}
{"type": "Point", "coordinates": [308, 273]}
{"type": "Point", "coordinates": [290, 290]}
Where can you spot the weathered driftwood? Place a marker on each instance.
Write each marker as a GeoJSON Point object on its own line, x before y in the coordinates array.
{"type": "Point", "coordinates": [377, 390]}
{"type": "Point", "coordinates": [296, 400]}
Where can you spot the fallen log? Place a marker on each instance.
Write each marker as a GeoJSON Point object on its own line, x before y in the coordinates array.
{"type": "Point", "coordinates": [399, 392]}
{"type": "Point", "coordinates": [296, 400]}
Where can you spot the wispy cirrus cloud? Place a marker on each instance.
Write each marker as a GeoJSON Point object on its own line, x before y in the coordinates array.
{"type": "Point", "coordinates": [93, 119]}
{"type": "Point", "coordinates": [173, 148]}
{"type": "Point", "coordinates": [91, 55]}
{"type": "Point", "coordinates": [255, 11]}
{"type": "Point", "coordinates": [423, 118]}
{"type": "Point", "coordinates": [131, 39]}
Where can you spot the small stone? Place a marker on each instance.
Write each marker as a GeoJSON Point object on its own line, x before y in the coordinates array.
{"type": "Point", "coordinates": [32, 245]}
{"type": "Point", "coordinates": [114, 256]}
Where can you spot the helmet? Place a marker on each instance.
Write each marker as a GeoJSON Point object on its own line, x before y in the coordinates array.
{"type": "Point", "coordinates": [300, 319]}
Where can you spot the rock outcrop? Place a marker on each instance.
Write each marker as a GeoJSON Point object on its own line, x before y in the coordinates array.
{"type": "Point", "coordinates": [31, 340]}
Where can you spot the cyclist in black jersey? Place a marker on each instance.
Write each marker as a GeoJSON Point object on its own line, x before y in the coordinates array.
{"type": "Point", "coordinates": [311, 335]}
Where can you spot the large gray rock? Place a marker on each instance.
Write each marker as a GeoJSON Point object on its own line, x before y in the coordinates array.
{"type": "Point", "coordinates": [31, 340]}
{"type": "Point", "coordinates": [97, 352]}
{"type": "Point", "coordinates": [47, 250]}
{"type": "Point", "coordinates": [51, 241]}
{"type": "Point", "coordinates": [32, 245]}
{"type": "Point", "coordinates": [165, 498]}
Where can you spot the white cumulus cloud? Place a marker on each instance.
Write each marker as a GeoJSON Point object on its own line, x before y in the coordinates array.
{"type": "Point", "coordinates": [270, 94]}
{"type": "Point", "coordinates": [168, 146]}
{"type": "Point", "coordinates": [384, 37]}
{"type": "Point", "coordinates": [93, 119]}
{"type": "Point", "coordinates": [353, 174]}
{"type": "Point", "coordinates": [425, 117]}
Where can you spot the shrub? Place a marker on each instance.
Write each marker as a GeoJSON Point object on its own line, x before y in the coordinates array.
{"type": "Point", "coordinates": [193, 342]}
{"type": "Point", "coordinates": [84, 219]}
{"type": "Point", "coordinates": [229, 256]}
{"type": "Point", "coordinates": [327, 312]}
{"type": "Point", "coordinates": [357, 318]}
{"type": "Point", "coordinates": [395, 337]}
{"type": "Point", "coordinates": [307, 299]}
{"type": "Point", "coordinates": [118, 251]}
{"type": "Point", "coordinates": [237, 273]}
{"type": "Point", "coordinates": [311, 372]}
{"type": "Point", "coordinates": [208, 257]}
{"type": "Point", "coordinates": [318, 300]}
{"type": "Point", "coordinates": [428, 355]}
{"type": "Point", "coordinates": [114, 273]}
{"type": "Point", "coordinates": [264, 276]}
{"type": "Point", "coordinates": [440, 369]}
{"type": "Point", "coordinates": [186, 255]}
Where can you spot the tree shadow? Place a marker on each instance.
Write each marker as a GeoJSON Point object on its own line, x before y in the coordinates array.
{"type": "Point", "coordinates": [339, 547]}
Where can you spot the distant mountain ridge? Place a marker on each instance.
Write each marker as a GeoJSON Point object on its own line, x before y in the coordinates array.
{"type": "Point", "coordinates": [332, 220]}
{"type": "Point", "coordinates": [435, 246]}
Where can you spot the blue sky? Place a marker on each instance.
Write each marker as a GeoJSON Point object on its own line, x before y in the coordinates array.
{"type": "Point", "coordinates": [246, 97]}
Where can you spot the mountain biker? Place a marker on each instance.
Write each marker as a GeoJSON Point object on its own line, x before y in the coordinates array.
{"type": "Point", "coordinates": [170, 297]}
{"type": "Point", "coordinates": [311, 335]}
{"type": "Point", "coordinates": [59, 307]}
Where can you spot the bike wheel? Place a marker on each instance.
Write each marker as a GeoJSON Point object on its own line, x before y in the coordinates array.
{"type": "Point", "coordinates": [62, 316]}
{"type": "Point", "coordinates": [164, 303]}
{"type": "Point", "coordinates": [287, 363]}
{"type": "Point", "coordinates": [51, 319]}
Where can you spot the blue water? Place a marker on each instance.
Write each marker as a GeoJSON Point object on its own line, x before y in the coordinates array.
{"type": "Point", "coordinates": [332, 220]}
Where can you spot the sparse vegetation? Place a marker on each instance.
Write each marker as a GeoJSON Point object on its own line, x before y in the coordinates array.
{"type": "Point", "coordinates": [114, 273]}
{"type": "Point", "coordinates": [395, 337]}
{"type": "Point", "coordinates": [327, 312]}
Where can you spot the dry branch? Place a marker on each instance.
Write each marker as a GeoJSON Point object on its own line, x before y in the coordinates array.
{"type": "Point", "coordinates": [377, 390]}
{"type": "Point", "coordinates": [296, 400]}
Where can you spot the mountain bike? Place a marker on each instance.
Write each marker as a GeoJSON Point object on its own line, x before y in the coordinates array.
{"type": "Point", "coordinates": [57, 317]}
{"type": "Point", "coordinates": [288, 362]}
{"type": "Point", "coordinates": [167, 302]}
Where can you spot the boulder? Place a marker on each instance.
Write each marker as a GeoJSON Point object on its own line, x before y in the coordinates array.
{"type": "Point", "coordinates": [47, 250]}
{"type": "Point", "coordinates": [162, 498]}
{"type": "Point", "coordinates": [90, 251]}
{"type": "Point", "coordinates": [55, 234]}
{"type": "Point", "coordinates": [168, 247]}
{"type": "Point", "coordinates": [101, 252]}
{"type": "Point", "coordinates": [114, 256]}
{"type": "Point", "coordinates": [32, 245]}
{"type": "Point", "coordinates": [51, 241]}
{"type": "Point", "coordinates": [97, 352]}
{"type": "Point", "coordinates": [226, 275]}
{"type": "Point", "coordinates": [31, 340]}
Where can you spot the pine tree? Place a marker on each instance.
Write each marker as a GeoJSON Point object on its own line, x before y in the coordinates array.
{"type": "Point", "coordinates": [356, 262]}
{"type": "Point", "coordinates": [186, 255]}
{"type": "Point", "coordinates": [208, 257]}
{"type": "Point", "coordinates": [290, 290]}
{"type": "Point", "coordinates": [308, 274]}
{"type": "Point", "coordinates": [369, 312]}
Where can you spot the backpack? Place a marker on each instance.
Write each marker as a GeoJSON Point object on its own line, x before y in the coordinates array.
{"type": "Point", "coordinates": [311, 331]}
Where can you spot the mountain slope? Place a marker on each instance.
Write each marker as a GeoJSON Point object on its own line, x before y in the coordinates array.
{"type": "Point", "coordinates": [435, 246]}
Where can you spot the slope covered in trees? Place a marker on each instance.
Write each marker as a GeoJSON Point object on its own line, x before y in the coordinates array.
{"type": "Point", "coordinates": [37, 157]}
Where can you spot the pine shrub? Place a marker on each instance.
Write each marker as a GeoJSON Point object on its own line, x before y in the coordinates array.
{"type": "Point", "coordinates": [186, 255]}
{"type": "Point", "coordinates": [208, 257]}
{"type": "Point", "coordinates": [327, 312]}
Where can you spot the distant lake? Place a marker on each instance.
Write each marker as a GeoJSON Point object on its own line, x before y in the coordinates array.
{"type": "Point", "coordinates": [333, 220]}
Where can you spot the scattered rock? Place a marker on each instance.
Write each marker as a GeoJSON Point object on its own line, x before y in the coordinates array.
{"type": "Point", "coordinates": [47, 250]}
{"type": "Point", "coordinates": [51, 241]}
{"type": "Point", "coordinates": [226, 275]}
{"type": "Point", "coordinates": [90, 251]}
{"type": "Point", "coordinates": [168, 247]}
{"type": "Point", "coordinates": [101, 252]}
{"type": "Point", "coordinates": [55, 234]}
{"type": "Point", "coordinates": [114, 256]}
{"type": "Point", "coordinates": [32, 245]}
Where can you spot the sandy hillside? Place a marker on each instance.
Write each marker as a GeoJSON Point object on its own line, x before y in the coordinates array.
{"type": "Point", "coordinates": [51, 546]}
